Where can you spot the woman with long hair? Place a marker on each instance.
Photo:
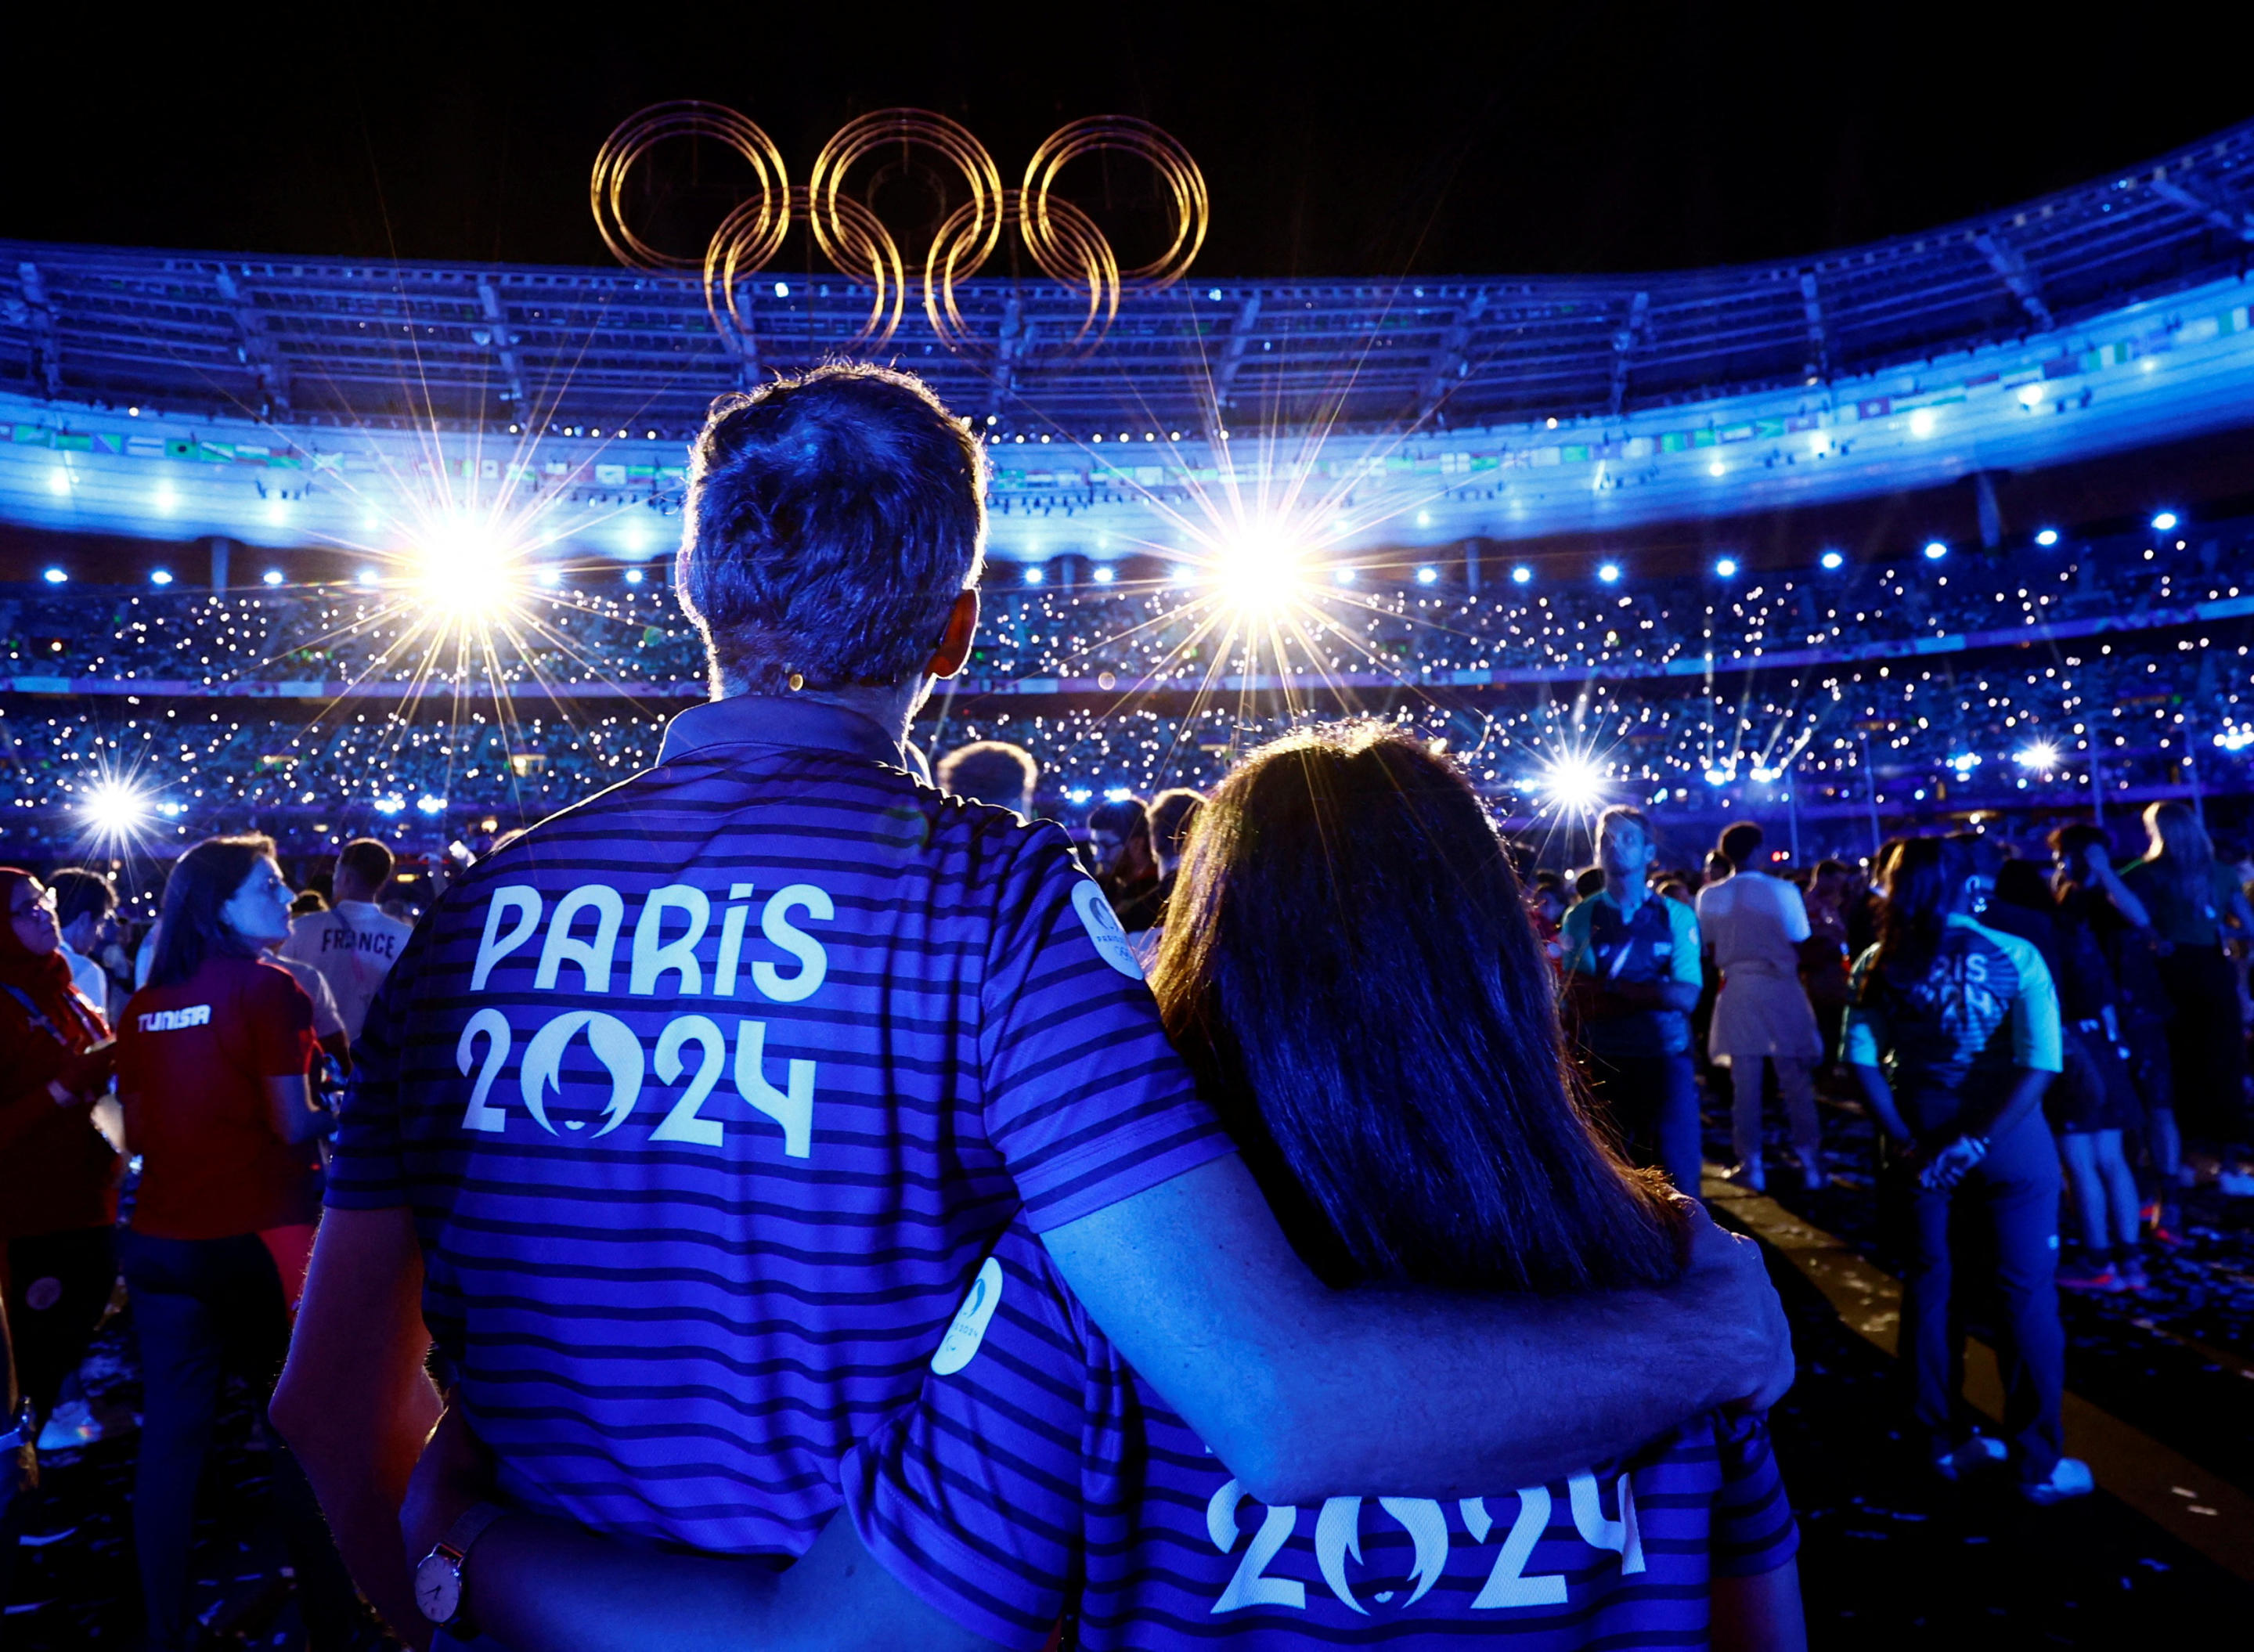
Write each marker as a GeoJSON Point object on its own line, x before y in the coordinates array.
{"type": "Point", "coordinates": [2194, 902]}
{"type": "Point", "coordinates": [58, 1171]}
{"type": "Point", "coordinates": [1349, 967]}
{"type": "Point", "coordinates": [213, 1059]}
{"type": "Point", "coordinates": [1952, 1031]}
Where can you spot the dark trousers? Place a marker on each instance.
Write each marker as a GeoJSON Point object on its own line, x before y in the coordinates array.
{"type": "Point", "coordinates": [1653, 1104]}
{"type": "Point", "coordinates": [2207, 1044]}
{"type": "Point", "coordinates": [58, 1285]}
{"type": "Point", "coordinates": [2013, 1194]}
{"type": "Point", "coordinates": [203, 1308]}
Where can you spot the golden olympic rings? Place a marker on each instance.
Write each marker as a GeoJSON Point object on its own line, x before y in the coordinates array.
{"type": "Point", "coordinates": [1064, 244]}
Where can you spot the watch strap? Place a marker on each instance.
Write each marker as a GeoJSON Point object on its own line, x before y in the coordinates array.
{"type": "Point", "coordinates": [468, 1527]}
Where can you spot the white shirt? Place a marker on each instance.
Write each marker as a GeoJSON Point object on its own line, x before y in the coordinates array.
{"type": "Point", "coordinates": [327, 1019]}
{"type": "Point", "coordinates": [1754, 923]}
{"type": "Point", "coordinates": [355, 945]}
{"type": "Point", "coordinates": [88, 978]}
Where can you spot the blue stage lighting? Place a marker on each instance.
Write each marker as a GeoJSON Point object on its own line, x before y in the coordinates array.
{"type": "Point", "coordinates": [1522, 576]}
{"type": "Point", "coordinates": [633, 575]}
{"type": "Point", "coordinates": [1726, 567]}
{"type": "Point", "coordinates": [1935, 550]}
{"type": "Point", "coordinates": [1428, 576]}
{"type": "Point", "coordinates": [2049, 536]}
{"type": "Point", "coordinates": [272, 575]}
{"type": "Point", "coordinates": [1034, 576]}
{"type": "Point", "coordinates": [55, 577]}
{"type": "Point", "coordinates": [1104, 575]}
{"type": "Point", "coordinates": [2164, 522]}
{"type": "Point", "coordinates": [1831, 561]}
{"type": "Point", "coordinates": [160, 576]}
{"type": "Point", "coordinates": [1610, 573]}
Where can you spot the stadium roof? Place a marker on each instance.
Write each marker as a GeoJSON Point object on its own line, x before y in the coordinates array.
{"type": "Point", "coordinates": [309, 341]}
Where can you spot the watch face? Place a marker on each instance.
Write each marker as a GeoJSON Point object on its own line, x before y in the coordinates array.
{"type": "Point", "coordinates": [437, 1587]}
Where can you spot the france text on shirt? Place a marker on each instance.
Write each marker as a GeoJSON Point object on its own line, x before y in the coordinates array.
{"type": "Point", "coordinates": [710, 1095]}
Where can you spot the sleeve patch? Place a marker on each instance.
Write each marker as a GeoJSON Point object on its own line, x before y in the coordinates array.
{"type": "Point", "coordinates": [1096, 917]}
{"type": "Point", "coordinates": [960, 1345]}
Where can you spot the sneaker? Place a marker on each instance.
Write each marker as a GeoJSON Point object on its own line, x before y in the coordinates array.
{"type": "Point", "coordinates": [2133, 1274]}
{"type": "Point", "coordinates": [1747, 1175]}
{"type": "Point", "coordinates": [1812, 1178]}
{"type": "Point", "coordinates": [2069, 1477]}
{"type": "Point", "coordinates": [2164, 1223]}
{"type": "Point", "coordinates": [70, 1425]}
{"type": "Point", "coordinates": [1980, 1453]}
{"type": "Point", "coordinates": [2083, 1277]}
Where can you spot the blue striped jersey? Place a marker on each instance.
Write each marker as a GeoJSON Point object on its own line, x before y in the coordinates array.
{"type": "Point", "coordinates": [1038, 1476]}
{"type": "Point", "coordinates": [710, 1095]}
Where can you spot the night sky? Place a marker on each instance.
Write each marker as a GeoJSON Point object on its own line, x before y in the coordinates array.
{"type": "Point", "coordinates": [1369, 141]}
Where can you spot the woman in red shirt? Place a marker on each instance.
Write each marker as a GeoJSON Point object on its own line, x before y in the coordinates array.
{"type": "Point", "coordinates": [58, 1174]}
{"type": "Point", "coordinates": [212, 1057]}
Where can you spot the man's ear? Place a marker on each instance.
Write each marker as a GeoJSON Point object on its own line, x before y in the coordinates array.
{"type": "Point", "coordinates": [955, 642]}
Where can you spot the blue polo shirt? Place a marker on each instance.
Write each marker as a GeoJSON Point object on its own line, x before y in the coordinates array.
{"type": "Point", "coordinates": [1038, 1475]}
{"type": "Point", "coordinates": [1658, 941]}
{"type": "Point", "coordinates": [710, 1095]}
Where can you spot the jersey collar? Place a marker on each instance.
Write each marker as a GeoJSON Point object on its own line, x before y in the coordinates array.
{"type": "Point", "coordinates": [762, 719]}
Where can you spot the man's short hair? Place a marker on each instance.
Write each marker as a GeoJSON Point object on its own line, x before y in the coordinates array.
{"type": "Point", "coordinates": [1173, 813]}
{"type": "Point", "coordinates": [2072, 841]}
{"type": "Point", "coordinates": [367, 863]}
{"type": "Point", "coordinates": [1129, 817]}
{"type": "Point", "coordinates": [1828, 867]}
{"type": "Point", "coordinates": [1635, 817]}
{"type": "Point", "coordinates": [833, 520]}
{"type": "Point", "coordinates": [1740, 841]}
{"type": "Point", "coordinates": [79, 892]}
{"type": "Point", "coordinates": [992, 771]}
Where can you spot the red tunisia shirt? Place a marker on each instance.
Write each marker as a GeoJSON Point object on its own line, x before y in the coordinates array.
{"type": "Point", "coordinates": [193, 1060]}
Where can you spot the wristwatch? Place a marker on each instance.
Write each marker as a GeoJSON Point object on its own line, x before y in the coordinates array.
{"type": "Point", "coordinates": [438, 1574]}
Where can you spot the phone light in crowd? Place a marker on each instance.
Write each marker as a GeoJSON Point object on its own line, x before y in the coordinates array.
{"type": "Point", "coordinates": [1935, 550]}
{"type": "Point", "coordinates": [1725, 568]}
{"type": "Point", "coordinates": [272, 575]}
{"type": "Point", "coordinates": [1522, 575]}
{"type": "Point", "coordinates": [1078, 795]}
{"type": "Point", "coordinates": [1118, 794]}
{"type": "Point", "coordinates": [1610, 573]}
{"type": "Point", "coordinates": [1104, 575]}
{"type": "Point", "coordinates": [2041, 755]}
{"type": "Point", "coordinates": [2048, 537]}
{"type": "Point", "coordinates": [2164, 523]}
{"type": "Point", "coordinates": [55, 577]}
{"type": "Point", "coordinates": [431, 805]}
{"type": "Point", "coordinates": [1964, 763]}
{"type": "Point", "coordinates": [160, 576]}
{"type": "Point", "coordinates": [1428, 576]}
{"type": "Point", "coordinates": [1831, 561]}
{"type": "Point", "coordinates": [2235, 739]}
{"type": "Point", "coordinates": [1034, 576]}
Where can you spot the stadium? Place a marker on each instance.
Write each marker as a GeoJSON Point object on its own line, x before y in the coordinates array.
{"type": "Point", "coordinates": [1944, 536]}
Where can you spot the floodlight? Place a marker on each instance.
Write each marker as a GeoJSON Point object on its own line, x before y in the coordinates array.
{"type": "Point", "coordinates": [160, 576]}
{"type": "Point", "coordinates": [58, 480]}
{"type": "Point", "coordinates": [1522, 575]}
{"type": "Point", "coordinates": [1935, 550]}
{"type": "Point", "coordinates": [2041, 754]}
{"type": "Point", "coordinates": [1104, 575]}
{"type": "Point", "coordinates": [1921, 422]}
{"type": "Point", "coordinates": [1573, 783]}
{"type": "Point", "coordinates": [2031, 395]}
{"type": "Point", "coordinates": [1034, 576]}
{"type": "Point", "coordinates": [1764, 775]}
{"type": "Point", "coordinates": [2164, 522]}
{"type": "Point", "coordinates": [431, 805]}
{"type": "Point", "coordinates": [466, 570]}
{"type": "Point", "coordinates": [1423, 519]}
{"type": "Point", "coordinates": [1718, 777]}
{"type": "Point", "coordinates": [113, 809]}
{"type": "Point", "coordinates": [1714, 469]}
{"type": "Point", "coordinates": [633, 575]}
{"type": "Point", "coordinates": [1726, 567]}
{"type": "Point", "coordinates": [1428, 576]}
{"type": "Point", "coordinates": [55, 577]}
{"type": "Point", "coordinates": [551, 575]}
{"type": "Point", "coordinates": [166, 499]}
{"type": "Point", "coordinates": [393, 805]}
{"type": "Point", "coordinates": [1344, 576]}
{"type": "Point", "coordinates": [2049, 536]}
{"type": "Point", "coordinates": [1118, 794]}
{"type": "Point", "coordinates": [1261, 566]}
{"type": "Point", "coordinates": [367, 576]}
{"type": "Point", "coordinates": [1610, 573]}
{"type": "Point", "coordinates": [1831, 561]}
{"type": "Point", "coordinates": [782, 290]}
{"type": "Point", "coordinates": [272, 575]}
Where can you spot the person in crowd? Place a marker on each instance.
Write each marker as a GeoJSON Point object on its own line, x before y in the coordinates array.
{"type": "Point", "coordinates": [1863, 900]}
{"type": "Point", "coordinates": [1390, 1064]}
{"type": "Point", "coordinates": [2094, 901]}
{"type": "Point", "coordinates": [1754, 924]}
{"type": "Point", "coordinates": [992, 772]}
{"type": "Point", "coordinates": [1952, 1034]}
{"type": "Point", "coordinates": [1173, 812]}
{"type": "Point", "coordinates": [355, 942]}
{"type": "Point", "coordinates": [86, 908]}
{"type": "Point", "coordinates": [2093, 1101]}
{"type": "Point", "coordinates": [938, 1027]}
{"type": "Point", "coordinates": [59, 1173]}
{"type": "Point", "coordinates": [1633, 975]}
{"type": "Point", "coordinates": [2192, 901]}
{"type": "Point", "coordinates": [308, 902]}
{"type": "Point", "coordinates": [1823, 956]}
{"type": "Point", "coordinates": [1126, 866]}
{"type": "Point", "coordinates": [212, 1063]}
